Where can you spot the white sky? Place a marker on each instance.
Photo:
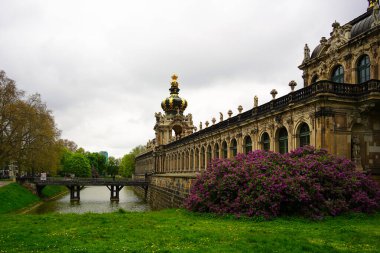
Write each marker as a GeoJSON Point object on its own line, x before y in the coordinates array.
{"type": "Point", "coordinates": [103, 67]}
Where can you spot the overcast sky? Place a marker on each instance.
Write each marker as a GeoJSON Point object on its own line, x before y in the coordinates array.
{"type": "Point", "coordinates": [103, 67]}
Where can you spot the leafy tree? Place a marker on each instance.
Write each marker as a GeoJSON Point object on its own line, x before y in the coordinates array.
{"type": "Point", "coordinates": [80, 151]}
{"type": "Point", "coordinates": [28, 135]}
{"type": "Point", "coordinates": [127, 164]}
{"type": "Point", "coordinates": [98, 162]}
{"type": "Point", "coordinates": [113, 166]}
{"type": "Point", "coordinates": [78, 164]}
{"type": "Point", "coordinates": [70, 145]}
{"type": "Point", "coordinates": [102, 164]}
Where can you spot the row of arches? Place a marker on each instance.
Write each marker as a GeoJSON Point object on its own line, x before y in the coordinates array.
{"type": "Point", "coordinates": [198, 158]}
{"type": "Point", "coordinates": [363, 71]}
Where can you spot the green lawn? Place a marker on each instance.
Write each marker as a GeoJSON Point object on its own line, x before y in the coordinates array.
{"type": "Point", "coordinates": [53, 190]}
{"type": "Point", "coordinates": [182, 231]}
{"type": "Point", "coordinates": [14, 197]}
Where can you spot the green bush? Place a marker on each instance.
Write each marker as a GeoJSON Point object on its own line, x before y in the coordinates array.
{"type": "Point", "coordinates": [77, 164]}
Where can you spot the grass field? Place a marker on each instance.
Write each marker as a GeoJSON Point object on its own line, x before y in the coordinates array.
{"type": "Point", "coordinates": [53, 190]}
{"type": "Point", "coordinates": [181, 231]}
{"type": "Point", "coordinates": [14, 197]}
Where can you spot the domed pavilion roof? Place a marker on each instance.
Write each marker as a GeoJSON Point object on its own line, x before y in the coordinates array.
{"type": "Point", "coordinates": [174, 104]}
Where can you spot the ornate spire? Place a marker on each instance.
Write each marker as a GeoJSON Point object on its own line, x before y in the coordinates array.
{"type": "Point", "coordinates": [174, 80]}
{"type": "Point", "coordinates": [174, 105]}
{"type": "Point", "coordinates": [174, 85]}
{"type": "Point", "coordinates": [372, 3]}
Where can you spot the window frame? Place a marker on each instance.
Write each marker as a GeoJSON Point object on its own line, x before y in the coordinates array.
{"type": "Point", "coordinates": [337, 75]}
{"type": "Point", "coordinates": [283, 140]}
{"type": "Point", "coordinates": [265, 141]}
{"type": "Point", "coordinates": [304, 136]}
{"type": "Point", "coordinates": [247, 146]}
{"type": "Point", "coordinates": [363, 69]}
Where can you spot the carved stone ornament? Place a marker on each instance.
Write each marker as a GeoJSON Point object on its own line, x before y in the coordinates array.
{"type": "Point", "coordinates": [273, 93]}
{"type": "Point", "coordinates": [278, 119]}
{"type": "Point", "coordinates": [306, 51]}
{"type": "Point", "coordinates": [240, 108]}
{"type": "Point", "coordinates": [375, 14]}
{"type": "Point", "coordinates": [213, 121]}
{"type": "Point", "coordinates": [356, 157]}
{"type": "Point", "coordinates": [158, 116]}
{"type": "Point", "coordinates": [289, 121]}
{"type": "Point", "coordinates": [229, 113]}
{"type": "Point", "coordinates": [221, 116]}
{"type": "Point", "coordinates": [338, 38]}
{"type": "Point", "coordinates": [255, 101]}
{"type": "Point", "coordinates": [292, 85]}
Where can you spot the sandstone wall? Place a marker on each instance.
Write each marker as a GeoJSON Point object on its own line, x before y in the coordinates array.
{"type": "Point", "coordinates": [167, 191]}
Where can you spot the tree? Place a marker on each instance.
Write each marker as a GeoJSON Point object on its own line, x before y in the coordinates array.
{"type": "Point", "coordinates": [127, 164]}
{"type": "Point", "coordinates": [113, 166]}
{"type": "Point", "coordinates": [98, 162]}
{"type": "Point", "coordinates": [70, 145]}
{"type": "Point", "coordinates": [78, 164]}
{"type": "Point", "coordinates": [28, 135]}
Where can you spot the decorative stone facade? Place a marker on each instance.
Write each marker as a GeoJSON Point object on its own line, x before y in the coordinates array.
{"type": "Point", "coordinates": [338, 109]}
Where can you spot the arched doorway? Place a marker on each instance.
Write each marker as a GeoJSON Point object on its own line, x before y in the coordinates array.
{"type": "Point", "coordinates": [177, 129]}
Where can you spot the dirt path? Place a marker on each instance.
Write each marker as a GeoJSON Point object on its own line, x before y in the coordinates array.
{"type": "Point", "coordinates": [2, 183]}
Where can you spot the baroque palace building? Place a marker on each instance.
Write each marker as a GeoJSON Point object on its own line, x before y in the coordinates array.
{"type": "Point", "coordinates": [338, 109]}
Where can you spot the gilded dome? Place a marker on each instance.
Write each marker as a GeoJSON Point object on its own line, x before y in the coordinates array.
{"type": "Point", "coordinates": [174, 104]}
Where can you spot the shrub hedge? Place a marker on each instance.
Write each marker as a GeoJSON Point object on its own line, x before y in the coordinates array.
{"type": "Point", "coordinates": [306, 182]}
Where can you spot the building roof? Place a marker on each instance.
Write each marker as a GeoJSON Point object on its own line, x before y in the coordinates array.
{"type": "Point", "coordinates": [360, 25]}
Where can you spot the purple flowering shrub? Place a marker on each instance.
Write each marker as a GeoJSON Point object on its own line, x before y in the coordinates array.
{"type": "Point", "coordinates": [305, 182]}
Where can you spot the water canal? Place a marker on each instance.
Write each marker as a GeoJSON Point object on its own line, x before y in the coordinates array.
{"type": "Point", "coordinates": [95, 199]}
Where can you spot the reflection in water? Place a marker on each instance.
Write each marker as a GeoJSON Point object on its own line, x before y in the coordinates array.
{"type": "Point", "coordinates": [94, 199]}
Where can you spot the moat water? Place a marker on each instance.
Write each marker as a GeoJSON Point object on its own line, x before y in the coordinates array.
{"type": "Point", "coordinates": [94, 199]}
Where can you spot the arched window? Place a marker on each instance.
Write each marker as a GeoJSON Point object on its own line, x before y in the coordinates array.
{"type": "Point", "coordinates": [208, 154]}
{"type": "Point", "coordinates": [192, 160]}
{"type": "Point", "coordinates": [224, 149]}
{"type": "Point", "coordinates": [363, 69]}
{"type": "Point", "coordinates": [314, 79]}
{"type": "Point", "coordinates": [265, 141]}
{"type": "Point", "coordinates": [175, 163]}
{"type": "Point", "coordinates": [187, 157]}
{"type": "Point", "coordinates": [247, 144]}
{"type": "Point", "coordinates": [304, 135]}
{"type": "Point", "coordinates": [203, 156]}
{"type": "Point", "coordinates": [183, 162]}
{"type": "Point", "coordinates": [216, 150]}
{"type": "Point", "coordinates": [338, 74]}
{"type": "Point", "coordinates": [283, 140]}
{"type": "Point", "coordinates": [233, 147]}
{"type": "Point", "coordinates": [197, 159]}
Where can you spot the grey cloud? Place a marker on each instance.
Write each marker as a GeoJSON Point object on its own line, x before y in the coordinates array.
{"type": "Point", "coordinates": [104, 67]}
